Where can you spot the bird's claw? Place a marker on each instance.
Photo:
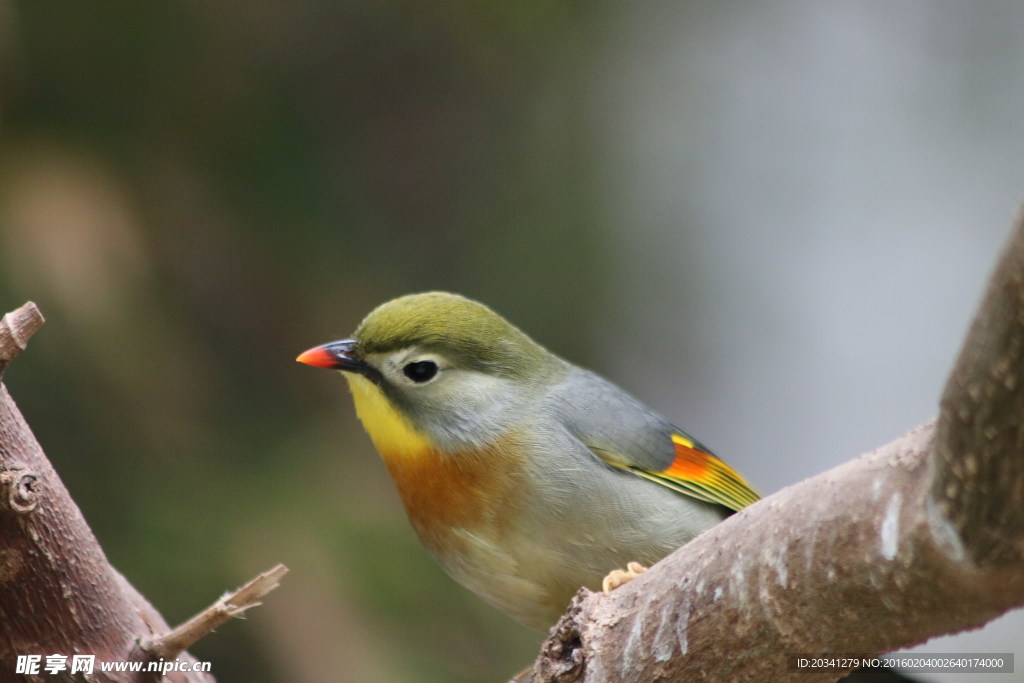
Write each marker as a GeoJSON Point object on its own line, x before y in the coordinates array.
{"type": "Point", "coordinates": [619, 577]}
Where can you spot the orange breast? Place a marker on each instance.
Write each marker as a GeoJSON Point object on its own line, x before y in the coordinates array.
{"type": "Point", "coordinates": [472, 490]}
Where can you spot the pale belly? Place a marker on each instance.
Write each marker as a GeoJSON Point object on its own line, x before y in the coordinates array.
{"type": "Point", "coordinates": [530, 569]}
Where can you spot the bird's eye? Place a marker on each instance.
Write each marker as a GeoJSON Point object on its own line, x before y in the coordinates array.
{"type": "Point", "coordinates": [420, 371]}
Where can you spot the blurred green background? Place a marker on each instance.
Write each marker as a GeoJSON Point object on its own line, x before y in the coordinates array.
{"type": "Point", "coordinates": [771, 221]}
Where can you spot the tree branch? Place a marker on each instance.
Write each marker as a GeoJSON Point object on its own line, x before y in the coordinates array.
{"type": "Point", "coordinates": [979, 451]}
{"type": "Point", "coordinates": [920, 538]}
{"type": "Point", "coordinates": [233, 604]}
{"type": "Point", "coordinates": [15, 330]}
{"type": "Point", "coordinates": [58, 592]}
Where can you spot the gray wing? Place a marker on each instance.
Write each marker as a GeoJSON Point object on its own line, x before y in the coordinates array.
{"type": "Point", "coordinates": [613, 424]}
{"type": "Point", "coordinates": [624, 433]}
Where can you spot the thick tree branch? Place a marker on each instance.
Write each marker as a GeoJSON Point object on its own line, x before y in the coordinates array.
{"type": "Point", "coordinates": [979, 449]}
{"type": "Point", "coordinates": [58, 592]}
{"type": "Point", "coordinates": [923, 537]}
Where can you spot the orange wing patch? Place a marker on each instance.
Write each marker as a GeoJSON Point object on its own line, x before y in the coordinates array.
{"type": "Point", "coordinates": [703, 476]}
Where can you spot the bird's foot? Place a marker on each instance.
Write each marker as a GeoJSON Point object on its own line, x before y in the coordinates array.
{"type": "Point", "coordinates": [619, 577]}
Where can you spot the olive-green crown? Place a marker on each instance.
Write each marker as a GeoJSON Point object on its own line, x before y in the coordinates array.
{"type": "Point", "coordinates": [470, 332]}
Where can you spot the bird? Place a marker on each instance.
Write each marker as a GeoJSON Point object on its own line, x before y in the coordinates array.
{"type": "Point", "coordinates": [526, 476]}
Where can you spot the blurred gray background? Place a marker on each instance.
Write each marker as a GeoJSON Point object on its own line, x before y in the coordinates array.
{"type": "Point", "coordinates": [770, 221]}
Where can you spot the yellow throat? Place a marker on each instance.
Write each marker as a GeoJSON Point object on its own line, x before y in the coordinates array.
{"type": "Point", "coordinates": [390, 431]}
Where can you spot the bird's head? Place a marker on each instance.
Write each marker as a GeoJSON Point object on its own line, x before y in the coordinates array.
{"type": "Point", "coordinates": [455, 370]}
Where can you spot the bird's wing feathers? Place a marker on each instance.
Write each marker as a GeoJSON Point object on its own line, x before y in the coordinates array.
{"type": "Point", "coordinates": [628, 436]}
{"type": "Point", "coordinates": [702, 475]}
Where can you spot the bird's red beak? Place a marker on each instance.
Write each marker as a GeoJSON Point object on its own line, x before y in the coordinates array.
{"type": "Point", "coordinates": [318, 357]}
{"type": "Point", "coordinates": [338, 355]}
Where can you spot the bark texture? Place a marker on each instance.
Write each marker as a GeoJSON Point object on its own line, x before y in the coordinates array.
{"type": "Point", "coordinates": [58, 592]}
